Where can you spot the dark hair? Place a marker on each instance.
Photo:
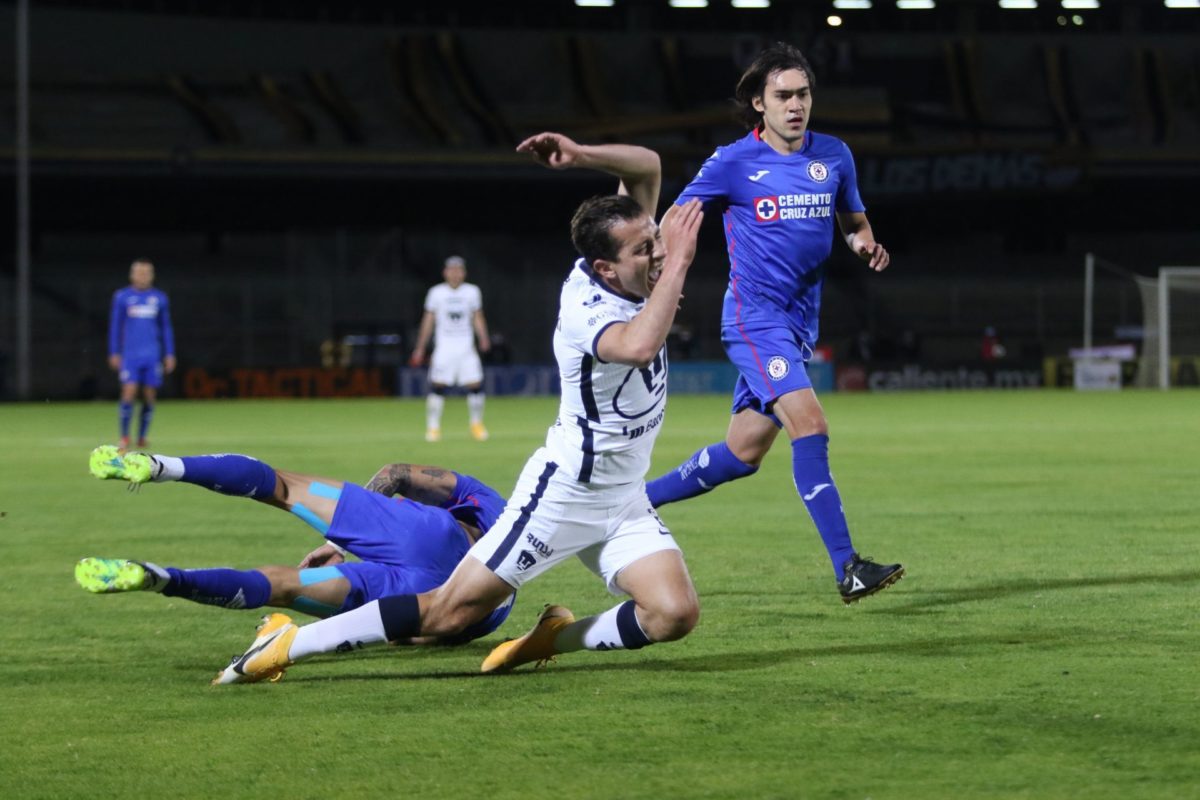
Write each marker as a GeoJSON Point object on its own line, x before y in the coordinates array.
{"type": "Point", "coordinates": [592, 224]}
{"type": "Point", "coordinates": [778, 57]}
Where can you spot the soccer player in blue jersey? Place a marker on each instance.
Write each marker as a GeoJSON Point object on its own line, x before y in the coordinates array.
{"type": "Point", "coordinates": [410, 525]}
{"type": "Point", "coordinates": [780, 188]}
{"type": "Point", "coordinates": [141, 346]}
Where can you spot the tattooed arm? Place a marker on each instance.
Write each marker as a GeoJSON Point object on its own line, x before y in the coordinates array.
{"type": "Point", "coordinates": [429, 485]}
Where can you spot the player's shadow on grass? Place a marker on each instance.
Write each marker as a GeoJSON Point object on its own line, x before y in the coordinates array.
{"type": "Point", "coordinates": [733, 661]}
{"type": "Point", "coordinates": [931, 597]}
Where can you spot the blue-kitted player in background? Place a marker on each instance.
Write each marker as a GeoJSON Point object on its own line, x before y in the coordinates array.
{"type": "Point", "coordinates": [780, 188]}
{"type": "Point", "coordinates": [141, 345]}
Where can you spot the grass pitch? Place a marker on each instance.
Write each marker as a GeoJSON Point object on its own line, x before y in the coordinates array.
{"type": "Point", "coordinates": [1044, 644]}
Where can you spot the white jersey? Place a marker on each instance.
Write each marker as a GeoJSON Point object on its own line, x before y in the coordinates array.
{"type": "Point", "coordinates": [453, 312]}
{"type": "Point", "coordinates": [610, 413]}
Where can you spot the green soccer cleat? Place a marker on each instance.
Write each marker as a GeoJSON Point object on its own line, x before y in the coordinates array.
{"type": "Point", "coordinates": [108, 463]}
{"type": "Point", "coordinates": [104, 575]}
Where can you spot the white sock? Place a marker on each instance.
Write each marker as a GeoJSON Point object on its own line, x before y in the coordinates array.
{"type": "Point", "coordinates": [593, 633]}
{"type": "Point", "coordinates": [166, 468]}
{"type": "Point", "coordinates": [352, 630]}
{"type": "Point", "coordinates": [433, 410]}
{"type": "Point", "coordinates": [475, 407]}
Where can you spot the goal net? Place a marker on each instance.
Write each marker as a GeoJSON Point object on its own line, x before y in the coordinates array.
{"type": "Point", "coordinates": [1169, 306]}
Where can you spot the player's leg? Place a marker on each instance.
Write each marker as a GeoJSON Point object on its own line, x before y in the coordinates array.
{"type": "Point", "coordinates": [470, 594]}
{"type": "Point", "coordinates": [663, 608]}
{"type": "Point", "coordinates": [639, 557]}
{"type": "Point", "coordinates": [125, 405]}
{"type": "Point", "coordinates": [320, 592]}
{"type": "Point", "coordinates": [226, 588]}
{"type": "Point", "coordinates": [435, 402]}
{"type": "Point", "coordinates": [311, 498]}
{"type": "Point", "coordinates": [764, 356]}
{"type": "Point", "coordinates": [747, 441]}
{"type": "Point", "coordinates": [803, 418]}
{"type": "Point", "coordinates": [151, 382]}
{"type": "Point", "coordinates": [470, 376]}
{"type": "Point", "coordinates": [225, 473]}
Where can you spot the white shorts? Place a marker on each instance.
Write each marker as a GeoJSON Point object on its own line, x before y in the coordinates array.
{"type": "Point", "coordinates": [455, 365]}
{"type": "Point", "coordinates": [551, 517]}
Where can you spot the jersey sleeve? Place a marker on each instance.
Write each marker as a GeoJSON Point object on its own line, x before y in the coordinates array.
{"type": "Point", "coordinates": [710, 185]}
{"type": "Point", "coordinates": [116, 321]}
{"type": "Point", "coordinates": [476, 303]}
{"type": "Point", "coordinates": [431, 300]}
{"type": "Point", "coordinates": [582, 326]}
{"type": "Point", "coordinates": [166, 332]}
{"type": "Point", "coordinates": [848, 199]}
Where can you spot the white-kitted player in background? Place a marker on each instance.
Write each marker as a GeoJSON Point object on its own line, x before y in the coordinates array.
{"type": "Point", "coordinates": [454, 319]}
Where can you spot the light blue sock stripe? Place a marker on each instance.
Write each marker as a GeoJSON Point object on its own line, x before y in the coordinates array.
{"type": "Point", "coordinates": [318, 574]}
{"type": "Point", "coordinates": [324, 490]}
{"type": "Point", "coordinates": [314, 608]}
{"type": "Point", "coordinates": [312, 519]}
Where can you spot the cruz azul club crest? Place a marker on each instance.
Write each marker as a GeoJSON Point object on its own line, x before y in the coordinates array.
{"type": "Point", "coordinates": [818, 171]}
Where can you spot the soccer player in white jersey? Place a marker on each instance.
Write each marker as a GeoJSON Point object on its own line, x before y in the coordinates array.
{"type": "Point", "coordinates": [582, 494]}
{"type": "Point", "coordinates": [454, 318]}
{"type": "Point", "coordinates": [780, 188]}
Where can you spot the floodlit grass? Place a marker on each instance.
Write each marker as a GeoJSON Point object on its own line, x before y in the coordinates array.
{"type": "Point", "coordinates": [1044, 644]}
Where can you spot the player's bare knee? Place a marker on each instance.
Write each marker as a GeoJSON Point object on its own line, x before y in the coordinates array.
{"type": "Point", "coordinates": [671, 620]}
{"type": "Point", "coordinates": [285, 584]}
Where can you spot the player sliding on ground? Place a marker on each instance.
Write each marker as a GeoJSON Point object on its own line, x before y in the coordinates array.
{"type": "Point", "coordinates": [407, 543]}
{"type": "Point", "coordinates": [583, 493]}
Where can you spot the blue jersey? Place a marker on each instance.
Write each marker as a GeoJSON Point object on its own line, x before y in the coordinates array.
{"type": "Point", "coordinates": [408, 547]}
{"type": "Point", "coordinates": [139, 327]}
{"type": "Point", "coordinates": [778, 212]}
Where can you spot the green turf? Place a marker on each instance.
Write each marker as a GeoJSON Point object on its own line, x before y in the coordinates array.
{"type": "Point", "coordinates": [1044, 644]}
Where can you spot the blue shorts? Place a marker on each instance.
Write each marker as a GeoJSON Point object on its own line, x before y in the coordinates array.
{"type": "Point", "coordinates": [406, 548]}
{"type": "Point", "coordinates": [147, 373]}
{"type": "Point", "coordinates": [769, 356]}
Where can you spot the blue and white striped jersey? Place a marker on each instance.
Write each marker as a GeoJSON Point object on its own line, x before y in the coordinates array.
{"type": "Point", "coordinates": [610, 414]}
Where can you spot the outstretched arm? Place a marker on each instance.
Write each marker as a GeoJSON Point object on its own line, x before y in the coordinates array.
{"type": "Point", "coordinates": [638, 169]}
{"type": "Point", "coordinates": [429, 485]}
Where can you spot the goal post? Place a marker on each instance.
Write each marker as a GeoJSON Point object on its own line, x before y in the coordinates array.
{"type": "Point", "coordinates": [1162, 314]}
{"type": "Point", "coordinates": [1184, 279]}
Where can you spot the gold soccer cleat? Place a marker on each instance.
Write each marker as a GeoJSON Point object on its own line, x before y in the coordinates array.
{"type": "Point", "coordinates": [267, 659]}
{"type": "Point", "coordinates": [537, 645]}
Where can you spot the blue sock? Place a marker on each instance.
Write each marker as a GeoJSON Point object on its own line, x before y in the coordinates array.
{"type": "Point", "coordinates": [810, 469]}
{"type": "Point", "coordinates": [124, 415]}
{"type": "Point", "coordinates": [144, 420]}
{"type": "Point", "coordinates": [707, 469]}
{"type": "Point", "coordinates": [232, 474]}
{"type": "Point", "coordinates": [228, 588]}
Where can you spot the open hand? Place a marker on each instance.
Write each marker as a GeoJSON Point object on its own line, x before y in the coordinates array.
{"type": "Point", "coordinates": [551, 150]}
